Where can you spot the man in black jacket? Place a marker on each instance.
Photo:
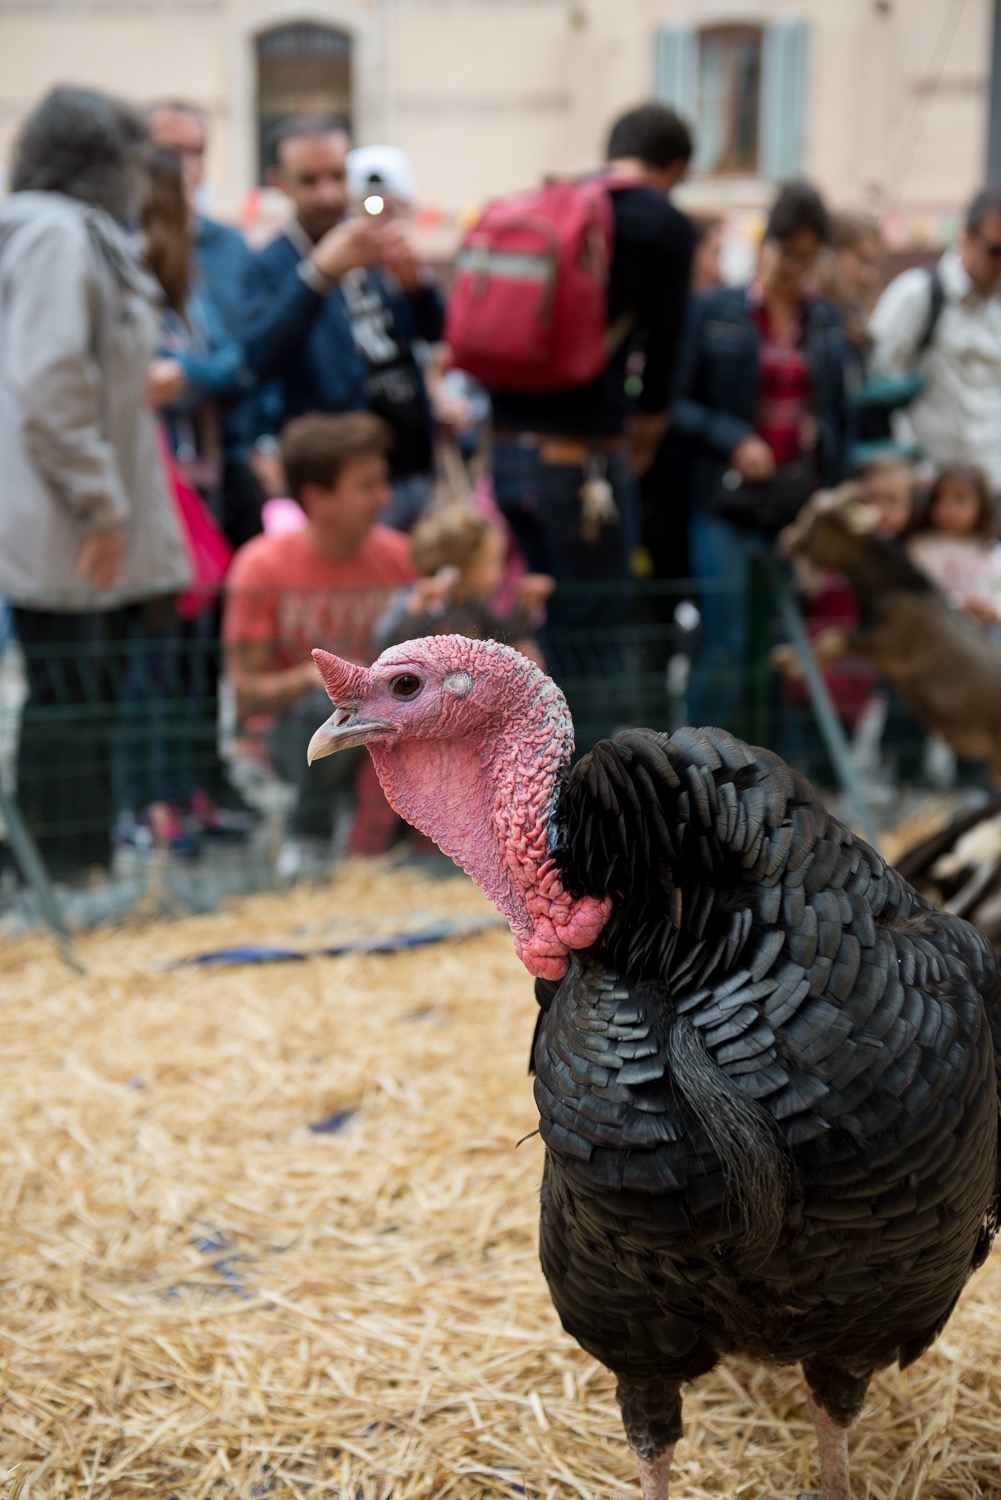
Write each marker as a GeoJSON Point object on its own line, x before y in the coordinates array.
{"type": "Point", "coordinates": [565, 462]}
{"type": "Point", "coordinates": [335, 304]}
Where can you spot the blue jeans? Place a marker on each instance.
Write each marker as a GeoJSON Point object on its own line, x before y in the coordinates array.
{"type": "Point", "coordinates": [542, 503]}
{"type": "Point", "coordinates": [721, 557]}
{"type": "Point", "coordinates": [584, 638]}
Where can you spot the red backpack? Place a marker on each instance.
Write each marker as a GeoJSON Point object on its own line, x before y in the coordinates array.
{"type": "Point", "coordinates": [529, 307]}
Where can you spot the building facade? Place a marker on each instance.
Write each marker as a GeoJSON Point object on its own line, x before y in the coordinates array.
{"type": "Point", "coordinates": [882, 102]}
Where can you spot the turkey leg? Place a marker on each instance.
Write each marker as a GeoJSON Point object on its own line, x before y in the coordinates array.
{"type": "Point", "coordinates": [651, 1415]}
{"type": "Point", "coordinates": [654, 1475]}
{"type": "Point", "coordinates": [832, 1441]}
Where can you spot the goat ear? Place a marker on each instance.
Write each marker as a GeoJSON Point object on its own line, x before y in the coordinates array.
{"type": "Point", "coordinates": [838, 498]}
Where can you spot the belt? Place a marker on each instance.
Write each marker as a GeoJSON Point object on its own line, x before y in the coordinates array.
{"type": "Point", "coordinates": [559, 450]}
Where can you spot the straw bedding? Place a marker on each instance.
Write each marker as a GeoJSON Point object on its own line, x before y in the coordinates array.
{"type": "Point", "coordinates": [204, 1296]}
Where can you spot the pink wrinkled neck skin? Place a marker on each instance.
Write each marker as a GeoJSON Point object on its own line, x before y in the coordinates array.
{"type": "Point", "coordinates": [486, 800]}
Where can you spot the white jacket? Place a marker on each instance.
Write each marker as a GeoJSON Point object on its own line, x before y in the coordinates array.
{"type": "Point", "coordinates": [957, 417]}
{"type": "Point", "coordinates": [78, 451]}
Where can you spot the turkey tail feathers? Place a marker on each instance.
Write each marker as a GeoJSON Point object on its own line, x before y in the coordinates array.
{"type": "Point", "coordinates": [740, 1133]}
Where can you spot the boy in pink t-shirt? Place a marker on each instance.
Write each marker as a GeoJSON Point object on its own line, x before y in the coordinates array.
{"type": "Point", "coordinates": [323, 585]}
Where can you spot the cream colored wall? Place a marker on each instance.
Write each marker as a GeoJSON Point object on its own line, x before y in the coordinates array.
{"type": "Point", "coordinates": [133, 54]}
{"type": "Point", "coordinates": [246, 20]}
{"type": "Point", "coordinates": [862, 117]}
{"type": "Point", "coordinates": [880, 135]}
{"type": "Point", "coordinates": [483, 96]}
{"type": "Point", "coordinates": [490, 94]}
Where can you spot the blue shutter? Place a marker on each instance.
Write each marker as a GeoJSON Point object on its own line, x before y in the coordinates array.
{"type": "Point", "coordinates": [783, 99]}
{"type": "Point", "coordinates": [676, 70]}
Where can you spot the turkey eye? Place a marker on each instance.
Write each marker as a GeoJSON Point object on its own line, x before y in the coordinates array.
{"type": "Point", "coordinates": [407, 685]}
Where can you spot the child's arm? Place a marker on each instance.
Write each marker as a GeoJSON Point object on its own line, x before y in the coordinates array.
{"type": "Point", "coordinates": [404, 616]}
{"type": "Point", "coordinates": [534, 589]}
{"type": "Point", "coordinates": [391, 625]}
{"type": "Point", "coordinates": [519, 623]}
{"type": "Point", "coordinates": [263, 688]}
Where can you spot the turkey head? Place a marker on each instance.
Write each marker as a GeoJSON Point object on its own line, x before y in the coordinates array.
{"type": "Point", "coordinates": [471, 742]}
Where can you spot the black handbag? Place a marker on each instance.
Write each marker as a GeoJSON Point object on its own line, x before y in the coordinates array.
{"type": "Point", "coordinates": [771, 502]}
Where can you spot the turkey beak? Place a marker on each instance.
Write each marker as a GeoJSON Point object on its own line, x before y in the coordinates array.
{"type": "Point", "coordinates": [342, 731]}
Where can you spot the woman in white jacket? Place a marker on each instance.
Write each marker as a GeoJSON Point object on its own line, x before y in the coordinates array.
{"type": "Point", "coordinates": [88, 532]}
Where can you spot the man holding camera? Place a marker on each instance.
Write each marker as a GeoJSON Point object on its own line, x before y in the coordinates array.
{"type": "Point", "coordinates": [336, 303]}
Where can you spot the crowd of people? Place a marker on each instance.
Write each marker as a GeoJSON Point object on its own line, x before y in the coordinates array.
{"type": "Point", "coordinates": [218, 457]}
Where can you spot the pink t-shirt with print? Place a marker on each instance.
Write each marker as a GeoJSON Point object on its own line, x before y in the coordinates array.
{"type": "Point", "coordinates": [279, 590]}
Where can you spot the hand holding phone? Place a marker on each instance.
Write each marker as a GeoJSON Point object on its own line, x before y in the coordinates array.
{"type": "Point", "coordinates": [351, 243]}
{"type": "Point", "coordinates": [399, 256]}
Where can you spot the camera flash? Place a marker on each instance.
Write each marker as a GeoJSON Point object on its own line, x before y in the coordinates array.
{"type": "Point", "coordinates": [374, 204]}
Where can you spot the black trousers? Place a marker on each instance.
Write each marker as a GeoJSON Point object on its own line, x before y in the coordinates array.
{"type": "Point", "coordinates": [75, 666]}
{"type": "Point", "coordinates": [168, 745]}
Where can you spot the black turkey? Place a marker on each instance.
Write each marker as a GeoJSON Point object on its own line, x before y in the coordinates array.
{"type": "Point", "coordinates": [764, 1065]}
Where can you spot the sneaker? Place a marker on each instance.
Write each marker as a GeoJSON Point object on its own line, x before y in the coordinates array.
{"type": "Point", "coordinates": [133, 835]}
{"type": "Point", "coordinates": [169, 832]}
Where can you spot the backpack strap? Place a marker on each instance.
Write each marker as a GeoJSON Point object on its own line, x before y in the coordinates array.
{"type": "Point", "coordinates": [936, 302]}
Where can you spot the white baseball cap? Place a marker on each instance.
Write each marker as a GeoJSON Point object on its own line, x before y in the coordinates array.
{"type": "Point", "coordinates": [386, 168]}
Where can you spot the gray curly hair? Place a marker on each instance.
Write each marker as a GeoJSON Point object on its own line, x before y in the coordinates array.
{"type": "Point", "coordinates": [85, 144]}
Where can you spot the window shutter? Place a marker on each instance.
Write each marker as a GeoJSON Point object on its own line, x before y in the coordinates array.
{"type": "Point", "coordinates": [783, 99]}
{"type": "Point", "coordinates": [676, 76]}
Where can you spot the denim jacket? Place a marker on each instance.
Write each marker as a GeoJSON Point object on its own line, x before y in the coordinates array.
{"type": "Point", "coordinates": [304, 337]}
{"type": "Point", "coordinates": [719, 377]}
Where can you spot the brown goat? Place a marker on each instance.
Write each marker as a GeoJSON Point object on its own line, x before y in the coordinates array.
{"type": "Point", "coordinates": [945, 668]}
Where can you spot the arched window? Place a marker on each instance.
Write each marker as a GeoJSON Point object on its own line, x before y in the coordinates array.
{"type": "Point", "coordinates": [302, 69]}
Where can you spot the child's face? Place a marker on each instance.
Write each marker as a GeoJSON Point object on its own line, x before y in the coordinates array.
{"type": "Point", "coordinates": [484, 573]}
{"type": "Point", "coordinates": [956, 508]}
{"type": "Point", "coordinates": [889, 495]}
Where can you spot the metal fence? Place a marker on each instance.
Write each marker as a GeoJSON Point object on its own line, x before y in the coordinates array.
{"type": "Point", "coordinates": [126, 756]}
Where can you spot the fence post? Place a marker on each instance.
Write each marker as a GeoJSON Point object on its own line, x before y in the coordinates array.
{"type": "Point", "coordinates": [756, 682]}
{"type": "Point", "coordinates": [824, 711]}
